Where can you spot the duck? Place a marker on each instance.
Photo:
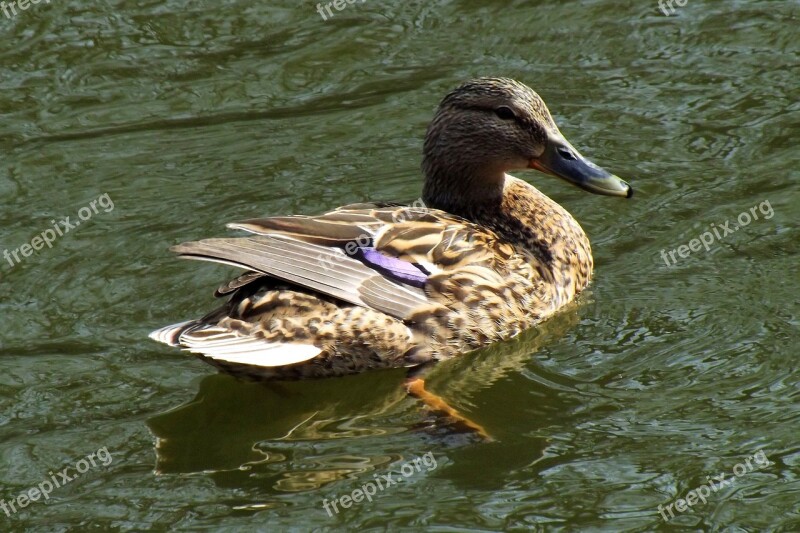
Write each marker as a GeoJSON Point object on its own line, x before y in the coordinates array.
{"type": "Point", "coordinates": [481, 257]}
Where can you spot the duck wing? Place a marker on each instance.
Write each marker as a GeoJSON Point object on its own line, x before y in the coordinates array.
{"type": "Point", "coordinates": [398, 260]}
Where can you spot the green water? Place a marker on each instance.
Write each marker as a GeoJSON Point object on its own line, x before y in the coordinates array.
{"type": "Point", "coordinates": [188, 115]}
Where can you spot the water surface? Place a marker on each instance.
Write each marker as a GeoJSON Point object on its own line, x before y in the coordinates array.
{"type": "Point", "coordinates": [190, 115]}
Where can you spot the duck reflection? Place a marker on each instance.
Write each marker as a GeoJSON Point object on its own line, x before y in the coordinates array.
{"type": "Point", "coordinates": [303, 435]}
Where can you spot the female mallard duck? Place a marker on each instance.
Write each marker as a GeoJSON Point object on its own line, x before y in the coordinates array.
{"type": "Point", "coordinates": [376, 285]}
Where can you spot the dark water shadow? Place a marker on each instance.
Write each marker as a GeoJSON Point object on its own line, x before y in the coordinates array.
{"type": "Point", "coordinates": [221, 428]}
{"type": "Point", "coordinates": [231, 428]}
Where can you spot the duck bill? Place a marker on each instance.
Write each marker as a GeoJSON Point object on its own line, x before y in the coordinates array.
{"type": "Point", "coordinates": [561, 159]}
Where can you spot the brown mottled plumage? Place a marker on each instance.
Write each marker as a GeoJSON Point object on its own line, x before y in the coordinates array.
{"type": "Point", "coordinates": [372, 286]}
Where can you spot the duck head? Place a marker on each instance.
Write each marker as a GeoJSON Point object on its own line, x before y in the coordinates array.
{"type": "Point", "coordinates": [490, 126]}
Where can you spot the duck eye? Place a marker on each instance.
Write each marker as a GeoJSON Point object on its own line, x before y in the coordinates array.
{"type": "Point", "coordinates": [505, 113]}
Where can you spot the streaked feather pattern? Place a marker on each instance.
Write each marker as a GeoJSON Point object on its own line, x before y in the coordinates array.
{"type": "Point", "coordinates": [476, 291]}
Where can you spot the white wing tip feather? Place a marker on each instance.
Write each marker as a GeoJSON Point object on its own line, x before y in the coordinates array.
{"type": "Point", "coordinates": [267, 355]}
{"type": "Point", "coordinates": [223, 345]}
{"type": "Point", "coordinates": [169, 334]}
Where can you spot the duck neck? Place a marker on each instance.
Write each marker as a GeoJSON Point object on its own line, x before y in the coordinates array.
{"type": "Point", "coordinates": [456, 189]}
{"type": "Point", "coordinates": [457, 175]}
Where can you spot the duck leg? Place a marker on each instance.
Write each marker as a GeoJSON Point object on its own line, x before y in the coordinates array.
{"type": "Point", "coordinates": [415, 385]}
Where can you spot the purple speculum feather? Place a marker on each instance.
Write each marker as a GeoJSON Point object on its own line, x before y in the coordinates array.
{"type": "Point", "coordinates": [392, 267]}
